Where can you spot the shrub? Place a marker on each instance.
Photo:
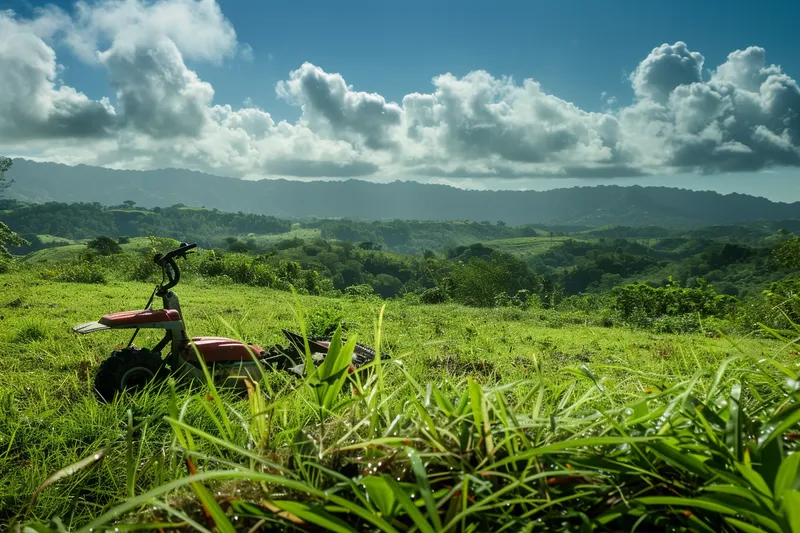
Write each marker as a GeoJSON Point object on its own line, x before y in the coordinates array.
{"type": "Point", "coordinates": [435, 295]}
{"type": "Point", "coordinates": [323, 323]}
{"type": "Point", "coordinates": [387, 286]}
{"type": "Point", "coordinates": [784, 295]}
{"type": "Point", "coordinates": [75, 273]}
{"type": "Point", "coordinates": [646, 306]}
{"type": "Point", "coordinates": [104, 245]}
{"type": "Point", "coordinates": [359, 291]}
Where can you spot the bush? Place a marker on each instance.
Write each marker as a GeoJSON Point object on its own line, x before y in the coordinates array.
{"type": "Point", "coordinates": [387, 286]}
{"type": "Point", "coordinates": [323, 323]}
{"type": "Point", "coordinates": [785, 296]}
{"type": "Point", "coordinates": [104, 245]}
{"type": "Point", "coordinates": [6, 265]}
{"type": "Point", "coordinates": [652, 307]}
{"type": "Point", "coordinates": [435, 295]}
{"type": "Point", "coordinates": [359, 291]}
{"type": "Point", "coordinates": [75, 273]}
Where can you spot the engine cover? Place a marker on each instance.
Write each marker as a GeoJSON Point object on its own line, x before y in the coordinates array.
{"type": "Point", "coordinates": [220, 349]}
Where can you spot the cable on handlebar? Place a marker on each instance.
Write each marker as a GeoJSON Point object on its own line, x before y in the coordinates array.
{"type": "Point", "coordinates": [169, 267]}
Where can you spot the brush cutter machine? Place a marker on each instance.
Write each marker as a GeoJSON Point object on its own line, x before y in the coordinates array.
{"type": "Point", "coordinates": [131, 367]}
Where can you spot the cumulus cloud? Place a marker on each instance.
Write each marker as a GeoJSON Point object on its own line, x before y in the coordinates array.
{"type": "Point", "coordinates": [740, 115]}
{"type": "Point", "coordinates": [197, 28]}
{"type": "Point", "coordinates": [157, 94]}
{"type": "Point", "coordinates": [32, 102]}
{"type": "Point", "coordinates": [329, 104]}
{"type": "Point", "coordinates": [743, 117]}
{"type": "Point", "coordinates": [666, 68]}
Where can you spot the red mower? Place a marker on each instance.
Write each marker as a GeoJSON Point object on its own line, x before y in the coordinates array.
{"type": "Point", "coordinates": [129, 368]}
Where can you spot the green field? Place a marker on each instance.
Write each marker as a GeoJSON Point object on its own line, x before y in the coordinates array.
{"type": "Point", "coordinates": [526, 247]}
{"type": "Point", "coordinates": [264, 241]}
{"type": "Point", "coordinates": [438, 415]}
{"type": "Point", "coordinates": [68, 252]}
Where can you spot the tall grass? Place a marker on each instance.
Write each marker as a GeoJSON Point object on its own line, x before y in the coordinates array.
{"type": "Point", "coordinates": [376, 450]}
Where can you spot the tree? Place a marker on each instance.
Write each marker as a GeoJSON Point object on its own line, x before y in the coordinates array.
{"type": "Point", "coordinates": [129, 204]}
{"type": "Point", "coordinates": [104, 245]}
{"type": "Point", "coordinates": [386, 285]}
{"type": "Point", "coordinates": [7, 237]}
{"type": "Point", "coordinates": [787, 253]}
{"type": "Point", "coordinates": [5, 164]}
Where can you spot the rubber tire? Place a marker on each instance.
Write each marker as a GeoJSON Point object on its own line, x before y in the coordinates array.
{"type": "Point", "coordinates": [108, 381]}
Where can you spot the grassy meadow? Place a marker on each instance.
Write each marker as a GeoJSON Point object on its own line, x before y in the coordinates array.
{"type": "Point", "coordinates": [498, 419]}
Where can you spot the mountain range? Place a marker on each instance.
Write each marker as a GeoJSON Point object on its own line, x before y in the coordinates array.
{"type": "Point", "coordinates": [38, 182]}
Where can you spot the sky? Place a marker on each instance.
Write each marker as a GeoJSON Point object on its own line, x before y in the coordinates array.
{"type": "Point", "coordinates": [487, 95]}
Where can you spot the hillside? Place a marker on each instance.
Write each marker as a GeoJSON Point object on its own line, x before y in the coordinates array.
{"type": "Point", "coordinates": [592, 206]}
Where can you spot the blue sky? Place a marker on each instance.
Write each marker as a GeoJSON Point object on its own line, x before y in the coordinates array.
{"type": "Point", "coordinates": [575, 50]}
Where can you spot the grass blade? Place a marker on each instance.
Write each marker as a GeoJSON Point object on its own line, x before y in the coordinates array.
{"type": "Point", "coordinates": [405, 501]}
{"type": "Point", "coordinates": [788, 477]}
{"type": "Point", "coordinates": [314, 515]}
{"type": "Point", "coordinates": [733, 428]}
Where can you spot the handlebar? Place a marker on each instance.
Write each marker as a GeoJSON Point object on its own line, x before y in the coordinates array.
{"type": "Point", "coordinates": [180, 251]}
{"type": "Point", "coordinates": [170, 268]}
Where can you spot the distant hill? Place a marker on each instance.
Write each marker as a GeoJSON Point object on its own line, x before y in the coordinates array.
{"type": "Point", "coordinates": [588, 206]}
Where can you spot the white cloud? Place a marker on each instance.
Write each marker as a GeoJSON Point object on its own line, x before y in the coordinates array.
{"type": "Point", "coordinates": [196, 27]}
{"type": "Point", "coordinates": [741, 115]}
{"type": "Point", "coordinates": [744, 117]}
{"type": "Point", "coordinates": [328, 104]}
{"type": "Point", "coordinates": [32, 102]}
{"type": "Point", "coordinates": [666, 68]}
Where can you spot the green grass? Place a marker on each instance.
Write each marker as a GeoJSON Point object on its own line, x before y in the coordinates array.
{"type": "Point", "coordinates": [483, 420]}
{"type": "Point", "coordinates": [527, 247]}
{"type": "Point", "coordinates": [142, 211]}
{"type": "Point", "coordinates": [263, 241]}
{"type": "Point", "coordinates": [68, 252]}
{"type": "Point", "coordinates": [57, 254]}
{"type": "Point", "coordinates": [47, 239]}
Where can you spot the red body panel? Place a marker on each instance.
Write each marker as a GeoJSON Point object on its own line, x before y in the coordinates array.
{"type": "Point", "coordinates": [148, 316]}
{"type": "Point", "coordinates": [220, 349]}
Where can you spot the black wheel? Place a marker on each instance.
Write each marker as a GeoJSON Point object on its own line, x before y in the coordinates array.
{"type": "Point", "coordinates": [126, 370]}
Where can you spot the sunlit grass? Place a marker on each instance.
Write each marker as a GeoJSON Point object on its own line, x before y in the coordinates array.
{"type": "Point", "coordinates": [480, 421]}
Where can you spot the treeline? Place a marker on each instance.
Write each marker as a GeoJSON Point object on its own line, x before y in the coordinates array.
{"type": "Point", "coordinates": [477, 275]}
{"type": "Point", "coordinates": [89, 220]}
{"type": "Point", "coordinates": [731, 268]}
{"type": "Point", "coordinates": [411, 236]}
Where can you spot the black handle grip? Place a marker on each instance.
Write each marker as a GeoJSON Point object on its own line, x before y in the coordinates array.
{"type": "Point", "coordinates": [171, 267]}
